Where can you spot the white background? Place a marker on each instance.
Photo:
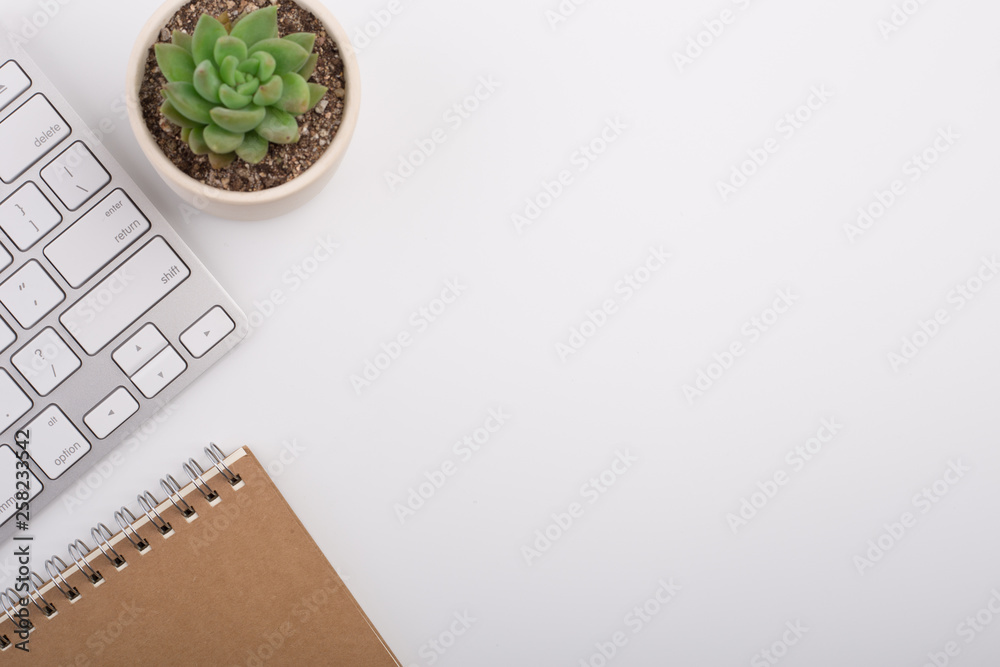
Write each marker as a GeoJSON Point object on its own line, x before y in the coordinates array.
{"type": "Point", "coordinates": [345, 459]}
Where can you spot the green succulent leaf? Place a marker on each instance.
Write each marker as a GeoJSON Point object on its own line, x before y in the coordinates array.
{"type": "Point", "coordinates": [316, 93]}
{"type": "Point", "coordinates": [227, 70]}
{"type": "Point", "coordinates": [181, 39]}
{"type": "Point", "coordinates": [267, 65]}
{"type": "Point", "coordinates": [249, 66]}
{"type": "Point", "coordinates": [257, 26]}
{"type": "Point", "coordinates": [206, 34]}
{"type": "Point", "coordinates": [289, 56]}
{"type": "Point", "coordinates": [238, 120]}
{"type": "Point", "coordinates": [186, 100]}
{"type": "Point", "coordinates": [249, 88]}
{"type": "Point", "coordinates": [304, 39]}
{"type": "Point", "coordinates": [186, 134]}
{"type": "Point", "coordinates": [222, 141]}
{"type": "Point", "coordinates": [176, 117]}
{"type": "Point", "coordinates": [196, 140]}
{"type": "Point", "coordinates": [221, 161]}
{"type": "Point", "coordinates": [253, 149]}
{"type": "Point", "coordinates": [279, 127]}
{"type": "Point", "coordinates": [175, 63]}
{"type": "Point", "coordinates": [230, 46]}
{"type": "Point", "coordinates": [241, 77]}
{"type": "Point", "coordinates": [269, 93]}
{"type": "Point", "coordinates": [295, 94]}
{"type": "Point", "coordinates": [310, 67]}
{"type": "Point", "coordinates": [207, 81]}
{"type": "Point", "coordinates": [232, 99]}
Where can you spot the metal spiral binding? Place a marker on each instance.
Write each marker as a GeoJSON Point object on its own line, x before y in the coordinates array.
{"type": "Point", "coordinates": [218, 459]}
{"type": "Point", "coordinates": [8, 607]}
{"type": "Point", "coordinates": [102, 535]}
{"type": "Point", "coordinates": [148, 503]}
{"type": "Point", "coordinates": [49, 610]}
{"type": "Point", "coordinates": [85, 568]}
{"type": "Point", "coordinates": [128, 530]}
{"type": "Point", "coordinates": [172, 488]}
{"type": "Point", "coordinates": [9, 604]}
{"type": "Point", "coordinates": [55, 573]}
{"type": "Point", "coordinates": [11, 600]}
{"type": "Point", "coordinates": [198, 480]}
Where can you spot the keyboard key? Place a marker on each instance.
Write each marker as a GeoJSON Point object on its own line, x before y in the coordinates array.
{"type": "Point", "coordinates": [55, 444]}
{"type": "Point", "coordinates": [13, 82]}
{"type": "Point", "coordinates": [30, 294]}
{"type": "Point", "coordinates": [124, 296]}
{"type": "Point", "coordinates": [5, 258]}
{"type": "Point", "coordinates": [111, 413]}
{"type": "Point", "coordinates": [28, 134]}
{"type": "Point", "coordinates": [8, 484]}
{"type": "Point", "coordinates": [26, 216]}
{"type": "Point", "coordinates": [98, 237]}
{"type": "Point", "coordinates": [158, 373]}
{"type": "Point", "coordinates": [7, 336]}
{"type": "Point", "coordinates": [14, 403]}
{"type": "Point", "coordinates": [46, 361]}
{"type": "Point", "coordinates": [75, 176]}
{"type": "Point", "coordinates": [139, 349]}
{"type": "Point", "coordinates": [207, 332]}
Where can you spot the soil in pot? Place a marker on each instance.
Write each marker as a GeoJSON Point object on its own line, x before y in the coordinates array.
{"type": "Point", "coordinates": [283, 163]}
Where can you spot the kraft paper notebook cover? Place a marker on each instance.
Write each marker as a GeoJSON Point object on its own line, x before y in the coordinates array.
{"type": "Point", "coordinates": [242, 583]}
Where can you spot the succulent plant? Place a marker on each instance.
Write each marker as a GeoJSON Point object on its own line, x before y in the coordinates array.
{"type": "Point", "coordinates": [235, 89]}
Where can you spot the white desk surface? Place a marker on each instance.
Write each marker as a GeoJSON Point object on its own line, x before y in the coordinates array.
{"type": "Point", "coordinates": [345, 460]}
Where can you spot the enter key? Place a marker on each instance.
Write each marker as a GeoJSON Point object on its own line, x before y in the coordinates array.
{"type": "Point", "coordinates": [94, 240]}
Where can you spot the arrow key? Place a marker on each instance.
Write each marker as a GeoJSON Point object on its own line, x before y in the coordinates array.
{"type": "Point", "coordinates": [137, 351]}
{"type": "Point", "coordinates": [158, 373]}
{"type": "Point", "coordinates": [207, 332]}
{"type": "Point", "coordinates": [111, 413]}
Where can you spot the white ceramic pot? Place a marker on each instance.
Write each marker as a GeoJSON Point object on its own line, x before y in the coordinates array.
{"type": "Point", "coordinates": [268, 203]}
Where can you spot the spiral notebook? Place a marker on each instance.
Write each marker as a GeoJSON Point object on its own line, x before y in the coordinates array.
{"type": "Point", "coordinates": [220, 573]}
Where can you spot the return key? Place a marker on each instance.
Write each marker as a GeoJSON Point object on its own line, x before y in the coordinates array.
{"type": "Point", "coordinates": [98, 237]}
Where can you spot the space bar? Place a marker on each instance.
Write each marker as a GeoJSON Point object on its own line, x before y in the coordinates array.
{"type": "Point", "coordinates": [125, 295]}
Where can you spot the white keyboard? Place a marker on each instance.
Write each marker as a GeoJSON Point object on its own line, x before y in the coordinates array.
{"type": "Point", "coordinates": [105, 314]}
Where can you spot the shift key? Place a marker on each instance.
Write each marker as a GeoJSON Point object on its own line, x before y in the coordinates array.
{"type": "Point", "coordinates": [98, 237]}
{"type": "Point", "coordinates": [27, 134]}
{"type": "Point", "coordinates": [125, 295]}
